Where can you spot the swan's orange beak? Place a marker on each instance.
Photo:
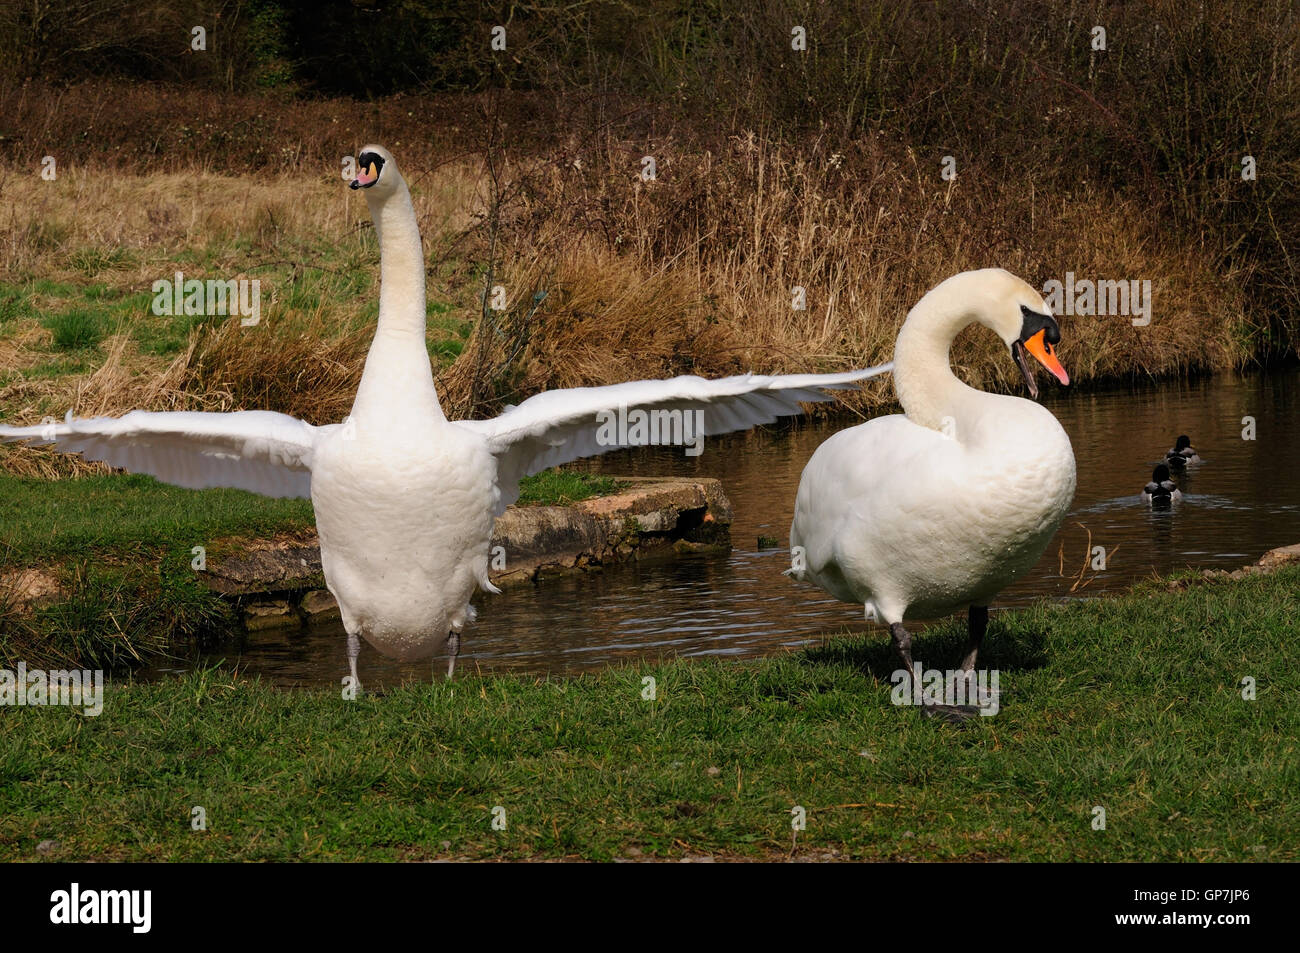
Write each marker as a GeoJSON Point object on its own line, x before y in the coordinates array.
{"type": "Point", "coordinates": [1038, 346]}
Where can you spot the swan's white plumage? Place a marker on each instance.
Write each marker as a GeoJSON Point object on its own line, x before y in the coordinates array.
{"type": "Point", "coordinates": [922, 513]}
{"type": "Point", "coordinates": [558, 426]}
{"type": "Point", "coordinates": [256, 450]}
{"type": "Point", "coordinates": [404, 498]}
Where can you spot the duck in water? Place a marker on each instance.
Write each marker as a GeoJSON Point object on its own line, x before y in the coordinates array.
{"type": "Point", "coordinates": [1161, 492]}
{"type": "Point", "coordinates": [1182, 454]}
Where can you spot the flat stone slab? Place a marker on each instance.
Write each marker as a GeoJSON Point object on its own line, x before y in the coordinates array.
{"type": "Point", "coordinates": [1270, 561]}
{"type": "Point", "coordinates": [1280, 556]}
{"type": "Point", "coordinates": [269, 614]}
{"type": "Point", "coordinates": [652, 519]}
{"type": "Point", "coordinates": [318, 606]}
{"type": "Point", "coordinates": [267, 565]}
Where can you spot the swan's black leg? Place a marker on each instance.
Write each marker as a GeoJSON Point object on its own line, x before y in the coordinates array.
{"type": "Point", "coordinates": [903, 646]}
{"type": "Point", "coordinates": [954, 714]}
{"type": "Point", "coordinates": [977, 624]}
{"type": "Point", "coordinates": [453, 649]}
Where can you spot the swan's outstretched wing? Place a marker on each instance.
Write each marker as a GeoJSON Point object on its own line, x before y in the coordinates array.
{"type": "Point", "coordinates": [557, 426]}
{"type": "Point", "coordinates": [256, 450]}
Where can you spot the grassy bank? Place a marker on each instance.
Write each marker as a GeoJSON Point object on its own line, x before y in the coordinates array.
{"type": "Point", "coordinates": [1132, 704]}
{"type": "Point", "coordinates": [118, 550]}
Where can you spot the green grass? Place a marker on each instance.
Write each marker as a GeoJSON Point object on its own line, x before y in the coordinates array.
{"type": "Point", "coordinates": [52, 289]}
{"type": "Point", "coordinates": [91, 261]}
{"type": "Point", "coordinates": [561, 487]}
{"type": "Point", "coordinates": [309, 289]}
{"type": "Point", "coordinates": [121, 548]}
{"type": "Point", "coordinates": [116, 616]}
{"type": "Point", "coordinates": [98, 307]}
{"type": "Point", "coordinates": [59, 366]}
{"type": "Point", "coordinates": [120, 516]}
{"type": "Point", "coordinates": [1131, 704]}
{"type": "Point", "coordinates": [11, 305]}
{"type": "Point", "coordinates": [77, 330]}
{"type": "Point", "coordinates": [81, 315]}
{"type": "Point", "coordinates": [447, 335]}
{"type": "Point", "coordinates": [167, 334]}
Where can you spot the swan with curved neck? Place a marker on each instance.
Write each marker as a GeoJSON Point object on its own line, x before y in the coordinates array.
{"type": "Point", "coordinates": [404, 498]}
{"type": "Point", "coordinates": [941, 507]}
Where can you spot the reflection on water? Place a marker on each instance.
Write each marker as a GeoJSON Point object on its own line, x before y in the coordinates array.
{"type": "Point", "coordinates": [1242, 501]}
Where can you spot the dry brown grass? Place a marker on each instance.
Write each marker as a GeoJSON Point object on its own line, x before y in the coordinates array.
{"type": "Point", "coordinates": [123, 232]}
{"type": "Point", "coordinates": [306, 369]}
{"type": "Point", "coordinates": [691, 273]}
{"type": "Point", "coordinates": [694, 271]}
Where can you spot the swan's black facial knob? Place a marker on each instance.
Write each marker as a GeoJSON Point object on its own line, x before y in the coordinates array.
{"type": "Point", "coordinates": [1038, 332]}
{"type": "Point", "coordinates": [369, 167]}
{"type": "Point", "coordinates": [1032, 322]}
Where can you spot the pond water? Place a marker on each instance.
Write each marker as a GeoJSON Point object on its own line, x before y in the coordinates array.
{"type": "Point", "coordinates": [1243, 500]}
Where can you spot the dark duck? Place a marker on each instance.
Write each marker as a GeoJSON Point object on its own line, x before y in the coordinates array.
{"type": "Point", "coordinates": [1161, 491]}
{"type": "Point", "coordinates": [1182, 454]}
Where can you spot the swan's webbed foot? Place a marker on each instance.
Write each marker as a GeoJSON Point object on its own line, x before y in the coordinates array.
{"type": "Point", "coordinates": [982, 696]}
{"type": "Point", "coordinates": [453, 649]}
{"type": "Point", "coordinates": [951, 714]}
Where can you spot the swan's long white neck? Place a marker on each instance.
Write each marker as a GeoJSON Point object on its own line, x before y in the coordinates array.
{"type": "Point", "coordinates": [923, 377]}
{"type": "Point", "coordinates": [398, 380]}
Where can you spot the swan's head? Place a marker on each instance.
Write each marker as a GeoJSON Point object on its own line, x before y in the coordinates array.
{"type": "Point", "coordinates": [1020, 316]}
{"type": "Point", "coordinates": [376, 172]}
{"type": "Point", "coordinates": [1039, 334]}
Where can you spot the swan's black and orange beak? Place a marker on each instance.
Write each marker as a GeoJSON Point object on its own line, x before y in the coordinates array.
{"type": "Point", "coordinates": [1038, 334]}
{"type": "Point", "coordinates": [369, 166]}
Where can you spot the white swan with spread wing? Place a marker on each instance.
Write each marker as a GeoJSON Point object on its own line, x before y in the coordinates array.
{"type": "Point", "coordinates": [404, 498]}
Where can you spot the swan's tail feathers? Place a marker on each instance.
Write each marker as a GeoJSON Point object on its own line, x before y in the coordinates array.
{"type": "Point", "coordinates": [485, 584]}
